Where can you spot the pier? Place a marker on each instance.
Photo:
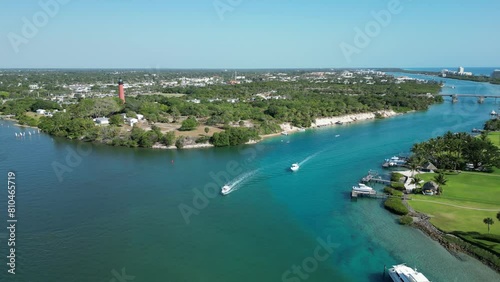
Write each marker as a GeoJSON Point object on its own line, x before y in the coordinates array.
{"type": "Point", "coordinates": [373, 194]}
{"type": "Point", "coordinates": [376, 179]}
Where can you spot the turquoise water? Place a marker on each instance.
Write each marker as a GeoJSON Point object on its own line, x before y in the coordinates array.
{"type": "Point", "coordinates": [475, 70]}
{"type": "Point", "coordinates": [119, 208]}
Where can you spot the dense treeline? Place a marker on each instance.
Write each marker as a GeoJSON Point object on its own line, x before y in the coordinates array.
{"type": "Point", "coordinates": [223, 106]}
{"type": "Point", "coordinates": [454, 151]}
{"type": "Point", "coordinates": [492, 125]}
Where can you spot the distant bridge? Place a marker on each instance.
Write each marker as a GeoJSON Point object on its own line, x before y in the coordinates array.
{"type": "Point", "coordinates": [480, 97]}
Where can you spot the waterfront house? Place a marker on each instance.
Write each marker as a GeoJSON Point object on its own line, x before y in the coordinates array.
{"type": "Point", "coordinates": [429, 167]}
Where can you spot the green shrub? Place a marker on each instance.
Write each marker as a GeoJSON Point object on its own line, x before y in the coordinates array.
{"type": "Point", "coordinates": [189, 124]}
{"type": "Point", "coordinates": [202, 139]}
{"type": "Point", "coordinates": [396, 176]}
{"type": "Point", "coordinates": [398, 186]}
{"type": "Point", "coordinates": [405, 220]}
{"type": "Point", "coordinates": [395, 206]}
{"type": "Point", "coordinates": [393, 192]}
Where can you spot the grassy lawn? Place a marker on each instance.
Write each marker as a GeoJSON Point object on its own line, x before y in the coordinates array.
{"type": "Point", "coordinates": [463, 193]}
{"type": "Point", "coordinates": [495, 138]}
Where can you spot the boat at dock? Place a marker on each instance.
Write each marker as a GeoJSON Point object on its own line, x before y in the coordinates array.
{"type": "Point", "coordinates": [403, 273]}
{"type": "Point", "coordinates": [394, 161]}
{"type": "Point", "coordinates": [362, 188]}
{"type": "Point", "coordinates": [226, 189]}
{"type": "Point", "coordinates": [294, 167]}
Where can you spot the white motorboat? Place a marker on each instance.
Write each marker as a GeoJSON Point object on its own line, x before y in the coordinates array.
{"type": "Point", "coordinates": [294, 167]}
{"type": "Point", "coordinates": [284, 133]}
{"type": "Point", "coordinates": [493, 113]}
{"type": "Point", "coordinates": [226, 189]}
{"type": "Point", "coordinates": [362, 188]}
{"type": "Point", "coordinates": [404, 273]}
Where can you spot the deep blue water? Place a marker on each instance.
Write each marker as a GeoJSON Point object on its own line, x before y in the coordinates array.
{"type": "Point", "coordinates": [120, 208]}
{"type": "Point", "coordinates": [475, 70]}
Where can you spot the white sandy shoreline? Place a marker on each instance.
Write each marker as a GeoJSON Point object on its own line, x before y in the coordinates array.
{"type": "Point", "coordinates": [290, 129]}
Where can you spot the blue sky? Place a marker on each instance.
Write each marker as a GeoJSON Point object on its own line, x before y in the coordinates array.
{"type": "Point", "coordinates": [248, 34]}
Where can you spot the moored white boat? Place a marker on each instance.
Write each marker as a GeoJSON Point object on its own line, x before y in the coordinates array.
{"type": "Point", "coordinates": [226, 189]}
{"type": "Point", "coordinates": [403, 273]}
{"type": "Point", "coordinates": [362, 188]}
{"type": "Point", "coordinates": [294, 167]}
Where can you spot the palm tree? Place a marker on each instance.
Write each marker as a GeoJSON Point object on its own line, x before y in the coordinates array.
{"type": "Point", "coordinates": [413, 165]}
{"type": "Point", "coordinates": [498, 216]}
{"type": "Point", "coordinates": [489, 221]}
{"type": "Point", "coordinates": [416, 180]}
{"type": "Point", "coordinates": [440, 179]}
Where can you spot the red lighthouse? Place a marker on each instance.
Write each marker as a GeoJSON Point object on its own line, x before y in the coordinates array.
{"type": "Point", "coordinates": [121, 91]}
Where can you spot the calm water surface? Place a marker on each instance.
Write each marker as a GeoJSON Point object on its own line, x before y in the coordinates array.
{"type": "Point", "coordinates": [118, 208]}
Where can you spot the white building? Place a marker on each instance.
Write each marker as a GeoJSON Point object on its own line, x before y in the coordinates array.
{"type": "Point", "coordinates": [41, 112]}
{"type": "Point", "coordinates": [101, 121]}
{"type": "Point", "coordinates": [460, 70]}
{"type": "Point", "coordinates": [496, 74]}
{"type": "Point", "coordinates": [132, 121]}
{"type": "Point", "coordinates": [140, 117]}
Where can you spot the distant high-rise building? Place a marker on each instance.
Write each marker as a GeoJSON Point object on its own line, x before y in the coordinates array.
{"type": "Point", "coordinates": [461, 70]}
{"type": "Point", "coordinates": [121, 91]}
{"type": "Point", "coordinates": [495, 74]}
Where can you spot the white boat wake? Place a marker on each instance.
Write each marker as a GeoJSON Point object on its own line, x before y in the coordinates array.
{"type": "Point", "coordinates": [309, 158]}
{"type": "Point", "coordinates": [236, 183]}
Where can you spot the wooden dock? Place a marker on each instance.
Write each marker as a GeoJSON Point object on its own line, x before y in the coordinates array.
{"type": "Point", "coordinates": [375, 179]}
{"type": "Point", "coordinates": [373, 194]}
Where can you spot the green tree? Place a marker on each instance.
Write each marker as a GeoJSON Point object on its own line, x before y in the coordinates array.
{"type": "Point", "coordinates": [440, 179]}
{"type": "Point", "coordinates": [207, 129]}
{"type": "Point", "coordinates": [168, 139]}
{"type": "Point", "coordinates": [106, 106]}
{"type": "Point", "coordinates": [189, 124]}
{"type": "Point", "coordinates": [488, 221]}
{"type": "Point", "coordinates": [116, 120]}
{"type": "Point", "coordinates": [180, 142]}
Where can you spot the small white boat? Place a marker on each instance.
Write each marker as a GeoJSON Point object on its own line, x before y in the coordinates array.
{"type": "Point", "coordinates": [338, 135]}
{"type": "Point", "coordinates": [284, 133]}
{"type": "Point", "coordinates": [226, 189]}
{"type": "Point", "coordinates": [401, 272]}
{"type": "Point", "coordinates": [493, 113]}
{"type": "Point", "coordinates": [294, 167]}
{"type": "Point", "coordinates": [362, 188]}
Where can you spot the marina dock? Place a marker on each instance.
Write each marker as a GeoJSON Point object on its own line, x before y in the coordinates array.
{"type": "Point", "coordinates": [374, 194]}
